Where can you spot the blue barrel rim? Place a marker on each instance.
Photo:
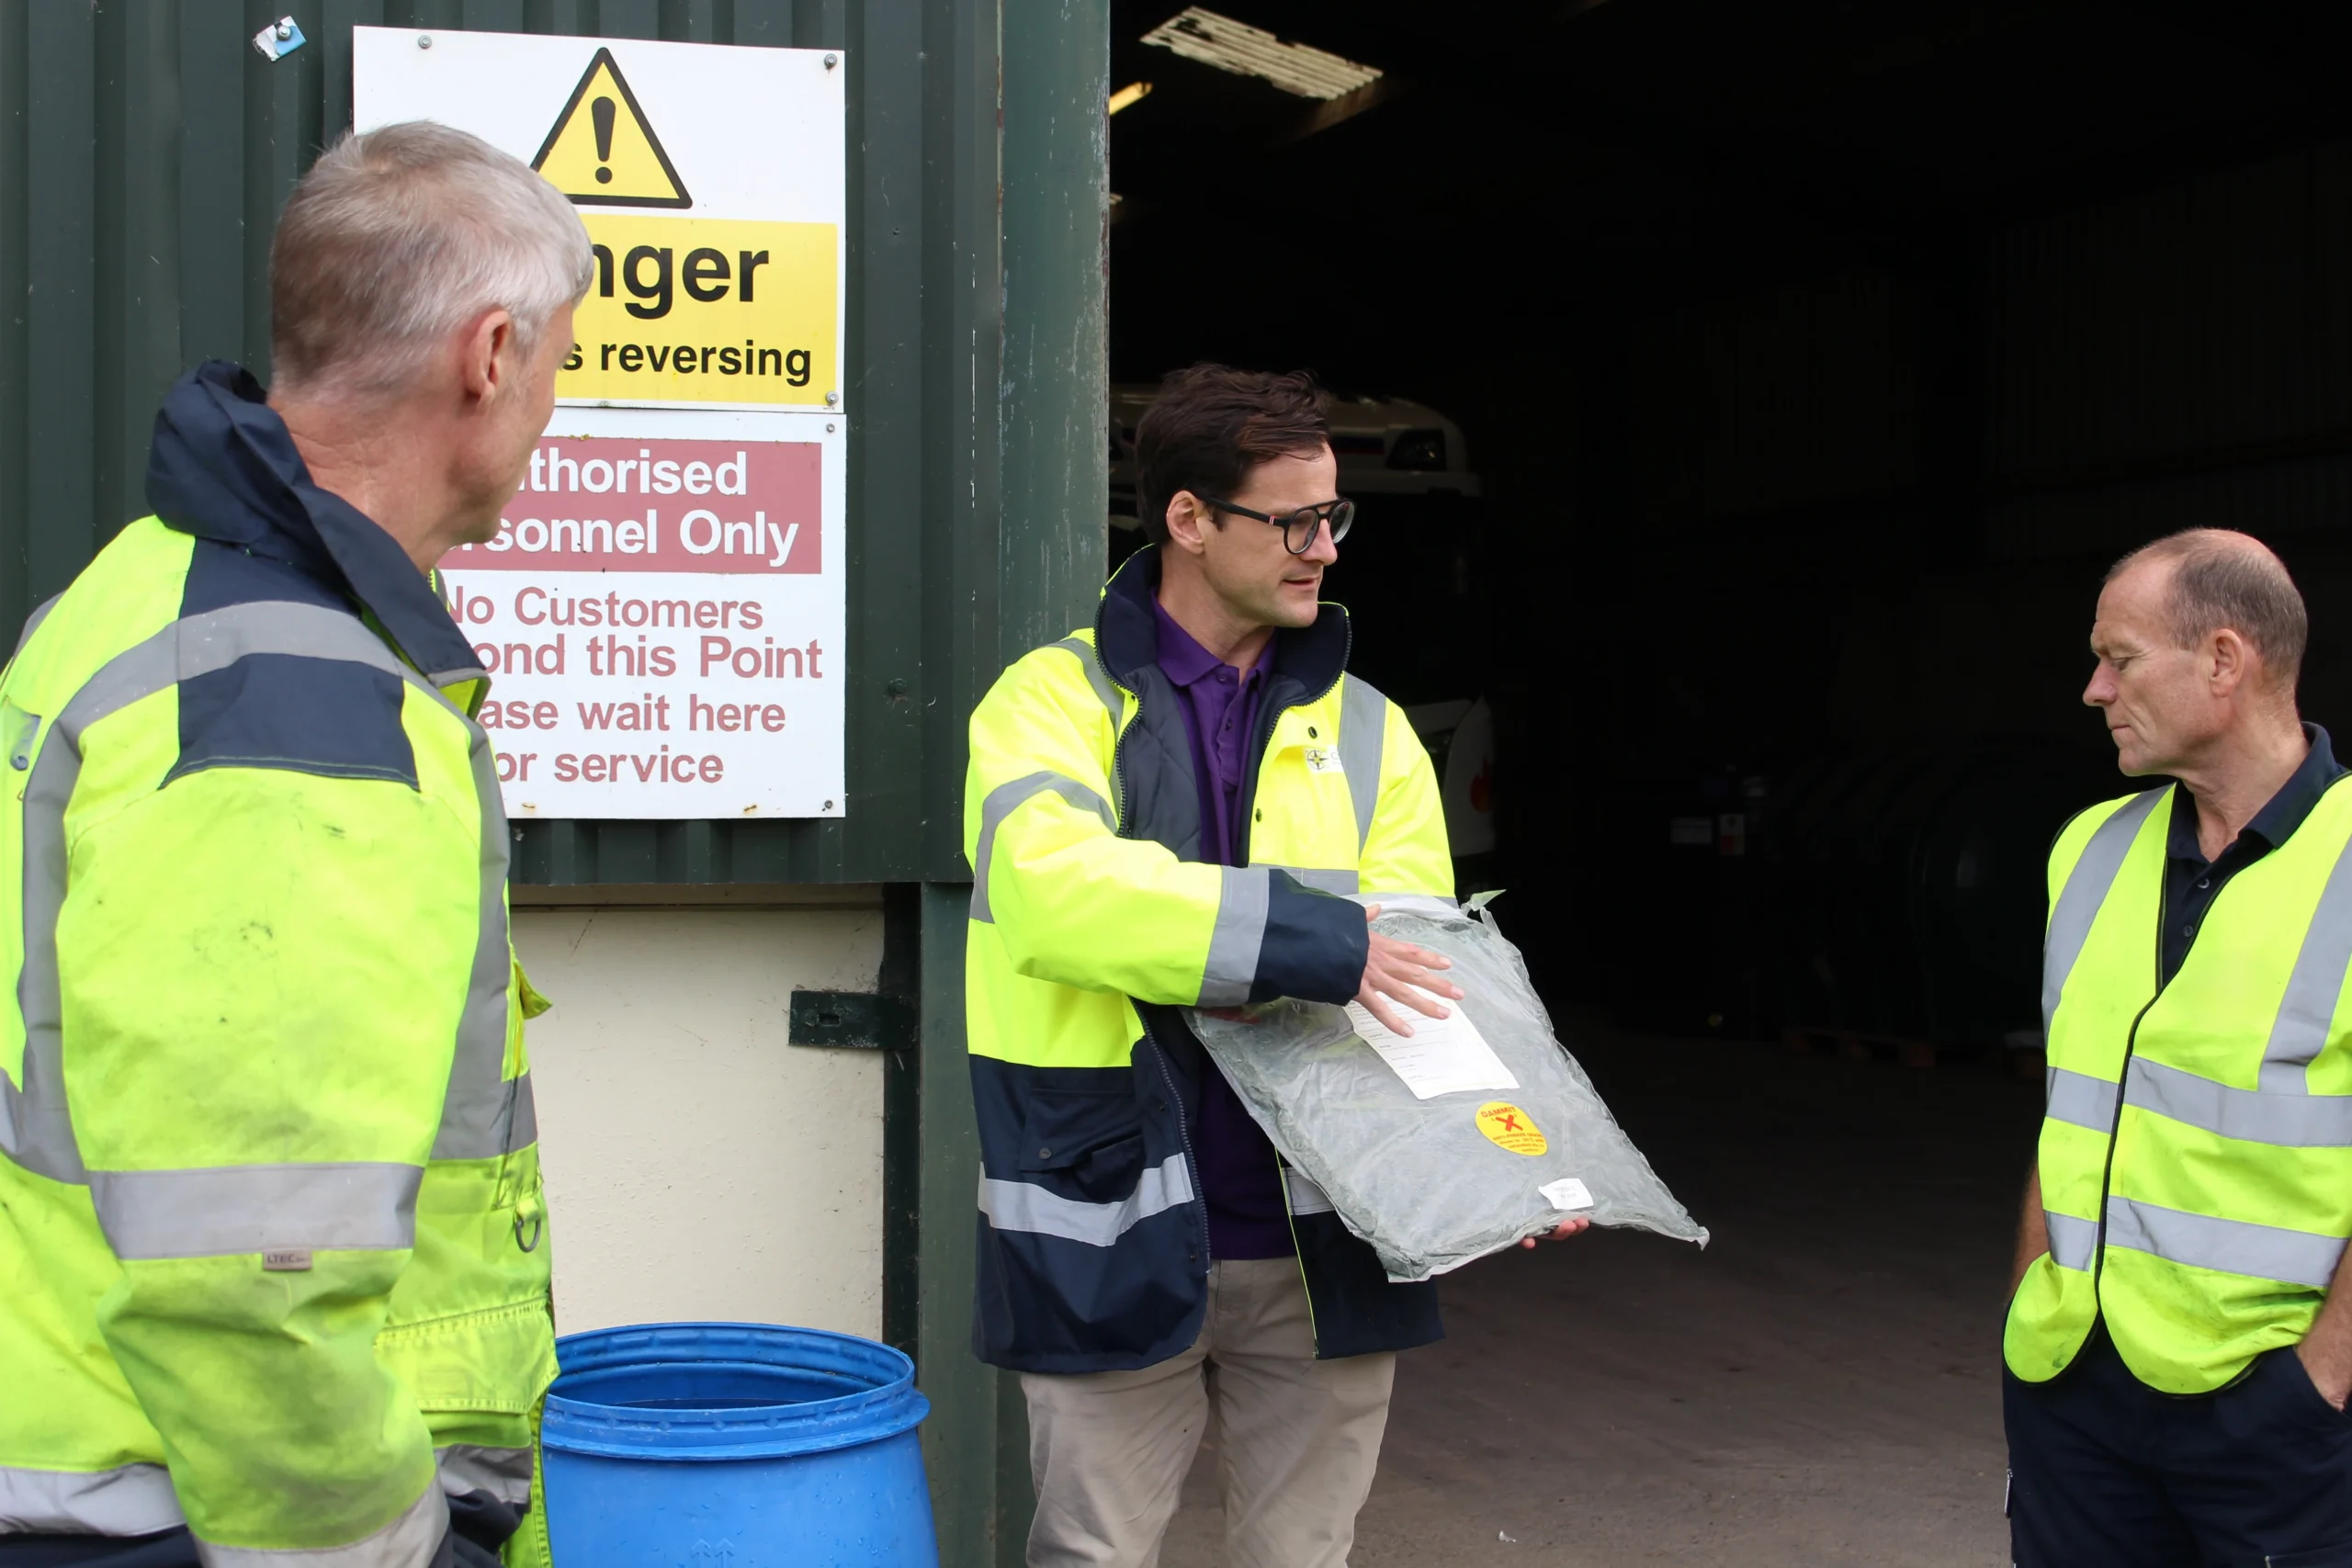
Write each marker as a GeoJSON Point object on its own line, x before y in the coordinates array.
{"type": "Point", "coordinates": [890, 1407]}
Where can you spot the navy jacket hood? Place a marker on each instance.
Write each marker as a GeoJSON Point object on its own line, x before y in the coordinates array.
{"type": "Point", "coordinates": [223, 467]}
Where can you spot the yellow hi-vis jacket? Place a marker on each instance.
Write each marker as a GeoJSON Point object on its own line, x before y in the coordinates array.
{"type": "Point", "coordinates": [2195, 1153]}
{"type": "Point", "coordinates": [273, 1257]}
{"type": "Point", "coordinates": [1094, 921]}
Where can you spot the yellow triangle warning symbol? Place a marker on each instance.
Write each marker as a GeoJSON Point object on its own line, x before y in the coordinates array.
{"type": "Point", "coordinates": [603, 152]}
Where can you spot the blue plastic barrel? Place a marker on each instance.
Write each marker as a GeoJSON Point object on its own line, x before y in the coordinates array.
{"type": "Point", "coordinates": [735, 1445]}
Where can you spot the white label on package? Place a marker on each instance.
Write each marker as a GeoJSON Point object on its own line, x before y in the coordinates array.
{"type": "Point", "coordinates": [1567, 1194]}
{"type": "Point", "coordinates": [1442, 1056]}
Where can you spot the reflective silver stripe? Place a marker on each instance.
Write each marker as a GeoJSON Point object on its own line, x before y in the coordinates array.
{"type": "Point", "coordinates": [523, 1127]}
{"type": "Point", "coordinates": [2079, 1099]}
{"type": "Point", "coordinates": [227, 1210]}
{"type": "Point", "coordinates": [1000, 805]}
{"type": "Point", "coordinates": [2073, 1243]}
{"type": "Point", "coordinates": [505, 1118]}
{"type": "Point", "coordinates": [2292, 1119]}
{"type": "Point", "coordinates": [1319, 878]}
{"type": "Point", "coordinates": [33, 621]}
{"type": "Point", "coordinates": [408, 1540]}
{"type": "Point", "coordinates": [484, 1113]}
{"type": "Point", "coordinates": [2085, 890]}
{"type": "Point", "coordinates": [1364, 736]}
{"type": "Point", "coordinates": [1022, 1206]}
{"type": "Point", "coordinates": [37, 1129]}
{"type": "Point", "coordinates": [131, 1499]}
{"type": "Point", "coordinates": [1239, 932]}
{"type": "Point", "coordinates": [36, 1125]}
{"type": "Point", "coordinates": [2227, 1247]}
{"type": "Point", "coordinates": [2309, 1005]}
{"type": "Point", "coordinates": [1305, 1197]}
{"type": "Point", "coordinates": [1104, 692]}
{"type": "Point", "coordinates": [470, 1468]}
{"type": "Point", "coordinates": [199, 645]}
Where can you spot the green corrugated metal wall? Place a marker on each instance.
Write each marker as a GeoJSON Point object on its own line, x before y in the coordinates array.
{"type": "Point", "coordinates": [145, 149]}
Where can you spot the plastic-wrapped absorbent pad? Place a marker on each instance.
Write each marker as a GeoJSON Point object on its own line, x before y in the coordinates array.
{"type": "Point", "coordinates": [1458, 1141]}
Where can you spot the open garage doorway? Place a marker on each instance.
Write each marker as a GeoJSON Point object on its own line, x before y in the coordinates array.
{"type": "Point", "coordinates": [1743, 402]}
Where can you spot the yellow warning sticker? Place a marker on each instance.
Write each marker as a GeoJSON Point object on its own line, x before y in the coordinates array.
{"type": "Point", "coordinates": [1512, 1128]}
{"type": "Point", "coordinates": [602, 150]}
{"type": "Point", "coordinates": [706, 309]}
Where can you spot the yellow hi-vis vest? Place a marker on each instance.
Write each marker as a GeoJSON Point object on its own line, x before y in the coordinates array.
{"type": "Point", "coordinates": [2195, 1153]}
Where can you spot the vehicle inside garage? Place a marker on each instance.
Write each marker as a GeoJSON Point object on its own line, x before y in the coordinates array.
{"type": "Point", "coordinates": [1744, 404]}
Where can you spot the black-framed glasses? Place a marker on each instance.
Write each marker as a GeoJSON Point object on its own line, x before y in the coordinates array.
{"type": "Point", "coordinates": [1299, 527]}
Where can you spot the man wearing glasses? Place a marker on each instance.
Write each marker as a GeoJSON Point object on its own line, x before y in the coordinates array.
{"type": "Point", "coordinates": [1174, 807]}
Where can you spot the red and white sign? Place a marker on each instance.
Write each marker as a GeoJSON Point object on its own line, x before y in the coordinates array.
{"type": "Point", "coordinates": [629, 505]}
{"type": "Point", "coordinates": [662, 619]}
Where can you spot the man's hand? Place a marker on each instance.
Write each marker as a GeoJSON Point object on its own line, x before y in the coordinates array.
{"type": "Point", "coordinates": [2033, 1228]}
{"type": "Point", "coordinates": [1400, 972]}
{"type": "Point", "coordinates": [1567, 1228]}
{"type": "Point", "coordinates": [2326, 1351]}
{"type": "Point", "coordinates": [2331, 1374]}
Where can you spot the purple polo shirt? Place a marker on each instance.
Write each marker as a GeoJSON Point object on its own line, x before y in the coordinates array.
{"type": "Point", "coordinates": [1240, 1174]}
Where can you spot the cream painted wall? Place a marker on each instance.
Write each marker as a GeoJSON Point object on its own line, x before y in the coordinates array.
{"type": "Point", "coordinates": [699, 1165]}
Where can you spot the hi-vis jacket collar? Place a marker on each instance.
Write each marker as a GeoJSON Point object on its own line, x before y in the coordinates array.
{"type": "Point", "coordinates": [223, 467]}
{"type": "Point", "coordinates": [1313, 657]}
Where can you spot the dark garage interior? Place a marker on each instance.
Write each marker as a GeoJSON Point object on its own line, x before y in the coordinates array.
{"type": "Point", "coordinates": [1813, 362]}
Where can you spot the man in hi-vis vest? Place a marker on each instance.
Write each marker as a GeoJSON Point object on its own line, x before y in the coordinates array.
{"type": "Point", "coordinates": [2177, 1351]}
{"type": "Point", "coordinates": [273, 1284]}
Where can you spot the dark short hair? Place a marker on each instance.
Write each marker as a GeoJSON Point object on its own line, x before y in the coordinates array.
{"type": "Point", "coordinates": [1211, 425]}
{"type": "Point", "coordinates": [2224, 578]}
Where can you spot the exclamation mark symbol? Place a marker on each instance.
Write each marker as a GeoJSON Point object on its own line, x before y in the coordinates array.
{"type": "Point", "coordinates": [603, 111]}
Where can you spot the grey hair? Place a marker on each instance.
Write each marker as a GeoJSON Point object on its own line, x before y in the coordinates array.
{"type": "Point", "coordinates": [2224, 579]}
{"type": "Point", "coordinates": [396, 239]}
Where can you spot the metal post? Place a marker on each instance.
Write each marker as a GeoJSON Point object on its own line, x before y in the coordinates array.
{"type": "Point", "coordinates": [1056, 468]}
{"type": "Point", "coordinates": [1022, 562]}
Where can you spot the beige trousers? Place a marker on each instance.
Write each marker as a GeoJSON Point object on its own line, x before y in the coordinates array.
{"type": "Point", "coordinates": [1297, 1440]}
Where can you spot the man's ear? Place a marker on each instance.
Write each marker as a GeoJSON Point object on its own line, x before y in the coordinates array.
{"type": "Point", "coordinates": [489, 362]}
{"type": "Point", "coordinates": [1187, 516]}
{"type": "Point", "coordinates": [2229, 662]}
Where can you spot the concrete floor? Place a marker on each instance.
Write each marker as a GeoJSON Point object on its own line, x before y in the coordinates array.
{"type": "Point", "coordinates": [1820, 1386]}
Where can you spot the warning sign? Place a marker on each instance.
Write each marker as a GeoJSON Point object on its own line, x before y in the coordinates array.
{"type": "Point", "coordinates": [711, 183]}
{"type": "Point", "coordinates": [602, 153]}
{"type": "Point", "coordinates": [662, 610]}
{"type": "Point", "coordinates": [697, 309]}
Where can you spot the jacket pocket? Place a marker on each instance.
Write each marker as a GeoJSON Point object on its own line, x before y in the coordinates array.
{"type": "Point", "coordinates": [495, 1362]}
{"type": "Point", "coordinates": [1092, 1141]}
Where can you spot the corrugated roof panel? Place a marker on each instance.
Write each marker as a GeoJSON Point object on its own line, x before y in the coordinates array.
{"type": "Point", "coordinates": [1211, 39]}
